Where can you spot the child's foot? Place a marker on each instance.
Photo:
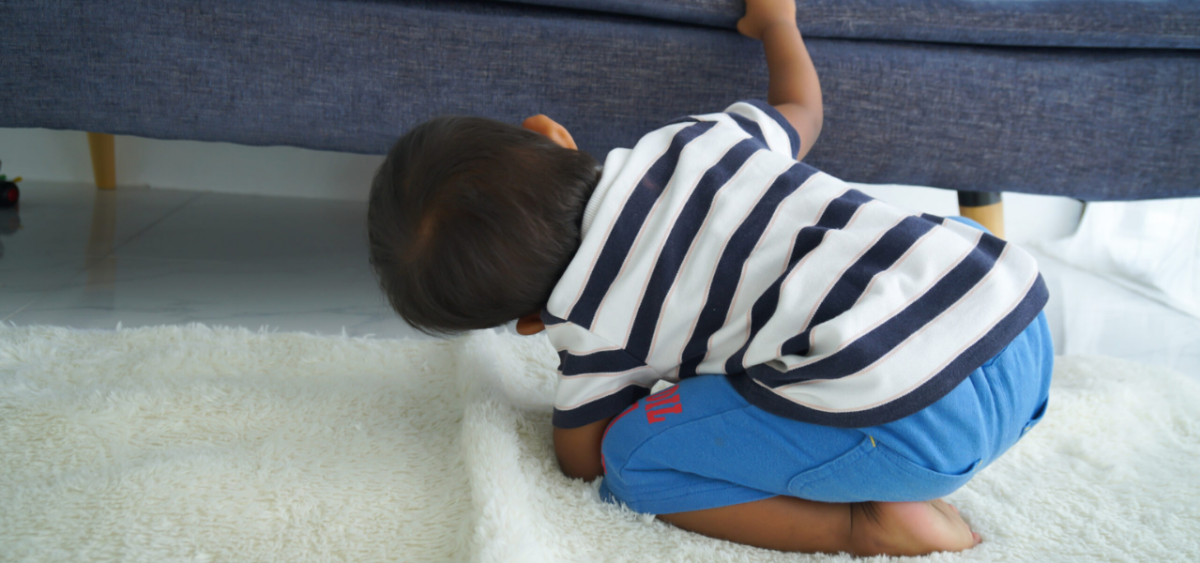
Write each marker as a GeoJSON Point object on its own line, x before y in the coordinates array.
{"type": "Point", "coordinates": [908, 528]}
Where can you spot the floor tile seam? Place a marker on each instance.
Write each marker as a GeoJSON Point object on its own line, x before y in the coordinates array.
{"type": "Point", "coordinates": [15, 313]}
{"type": "Point", "coordinates": [91, 261]}
{"type": "Point", "coordinates": [145, 229]}
{"type": "Point", "coordinates": [211, 261]}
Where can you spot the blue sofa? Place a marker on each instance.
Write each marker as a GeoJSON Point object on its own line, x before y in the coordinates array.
{"type": "Point", "coordinates": [1095, 99]}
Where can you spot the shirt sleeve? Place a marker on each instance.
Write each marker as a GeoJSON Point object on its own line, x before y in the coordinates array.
{"type": "Point", "coordinates": [597, 379]}
{"type": "Point", "coordinates": [764, 122]}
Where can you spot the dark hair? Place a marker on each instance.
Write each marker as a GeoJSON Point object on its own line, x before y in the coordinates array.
{"type": "Point", "coordinates": [472, 221]}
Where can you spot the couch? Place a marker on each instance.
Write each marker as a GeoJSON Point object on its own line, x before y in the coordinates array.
{"type": "Point", "coordinates": [1093, 99]}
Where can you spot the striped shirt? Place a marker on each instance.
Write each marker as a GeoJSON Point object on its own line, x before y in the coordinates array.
{"type": "Point", "coordinates": [708, 249]}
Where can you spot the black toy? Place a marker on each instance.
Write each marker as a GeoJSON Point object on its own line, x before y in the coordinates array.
{"type": "Point", "coordinates": [9, 194]}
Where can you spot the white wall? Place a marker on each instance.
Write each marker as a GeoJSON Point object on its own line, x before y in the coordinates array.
{"type": "Point", "coordinates": [62, 156]}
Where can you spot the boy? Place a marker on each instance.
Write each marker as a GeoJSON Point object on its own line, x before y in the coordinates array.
{"type": "Point", "coordinates": [839, 364]}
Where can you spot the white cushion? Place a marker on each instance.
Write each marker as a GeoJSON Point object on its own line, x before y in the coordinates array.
{"type": "Point", "coordinates": [1151, 246]}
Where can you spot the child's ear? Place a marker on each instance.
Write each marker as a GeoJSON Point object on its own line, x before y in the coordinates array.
{"type": "Point", "coordinates": [550, 128]}
{"type": "Point", "coordinates": [530, 324]}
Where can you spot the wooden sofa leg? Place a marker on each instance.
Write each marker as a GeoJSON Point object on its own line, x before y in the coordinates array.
{"type": "Point", "coordinates": [104, 165]}
{"type": "Point", "coordinates": [986, 208]}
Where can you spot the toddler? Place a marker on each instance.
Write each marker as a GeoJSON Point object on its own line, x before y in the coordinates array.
{"type": "Point", "coordinates": [839, 364]}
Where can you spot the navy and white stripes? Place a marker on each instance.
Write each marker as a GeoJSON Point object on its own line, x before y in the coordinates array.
{"type": "Point", "coordinates": [708, 249]}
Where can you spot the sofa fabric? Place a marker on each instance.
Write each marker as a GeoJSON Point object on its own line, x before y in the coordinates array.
{"type": "Point", "coordinates": [352, 75]}
{"type": "Point", "coordinates": [1143, 24]}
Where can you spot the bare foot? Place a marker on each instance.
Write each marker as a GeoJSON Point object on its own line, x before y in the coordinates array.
{"type": "Point", "coordinates": [909, 528]}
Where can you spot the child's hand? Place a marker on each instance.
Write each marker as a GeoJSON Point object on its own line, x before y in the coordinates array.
{"type": "Point", "coordinates": [762, 14]}
{"type": "Point", "coordinates": [550, 128]}
{"type": "Point", "coordinates": [909, 528]}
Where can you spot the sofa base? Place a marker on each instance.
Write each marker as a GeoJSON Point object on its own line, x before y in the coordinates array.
{"type": "Point", "coordinates": [352, 76]}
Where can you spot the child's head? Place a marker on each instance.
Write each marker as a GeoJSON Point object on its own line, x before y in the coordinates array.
{"type": "Point", "coordinates": [472, 221]}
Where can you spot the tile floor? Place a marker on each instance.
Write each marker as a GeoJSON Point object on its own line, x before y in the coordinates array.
{"type": "Point", "coordinates": [88, 259]}
{"type": "Point", "coordinates": [75, 256]}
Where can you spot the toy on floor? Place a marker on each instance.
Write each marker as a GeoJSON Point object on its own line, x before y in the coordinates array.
{"type": "Point", "coordinates": [9, 194]}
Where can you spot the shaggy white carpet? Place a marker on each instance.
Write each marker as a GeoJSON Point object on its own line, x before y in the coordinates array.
{"type": "Point", "coordinates": [204, 444]}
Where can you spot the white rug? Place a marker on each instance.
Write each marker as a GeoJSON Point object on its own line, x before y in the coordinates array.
{"type": "Point", "coordinates": [212, 444]}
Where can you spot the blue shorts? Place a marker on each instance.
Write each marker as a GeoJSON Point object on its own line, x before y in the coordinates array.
{"type": "Point", "coordinates": [716, 449]}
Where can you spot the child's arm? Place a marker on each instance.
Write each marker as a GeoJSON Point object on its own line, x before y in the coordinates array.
{"type": "Point", "coordinates": [794, 89]}
{"type": "Point", "coordinates": [578, 449]}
